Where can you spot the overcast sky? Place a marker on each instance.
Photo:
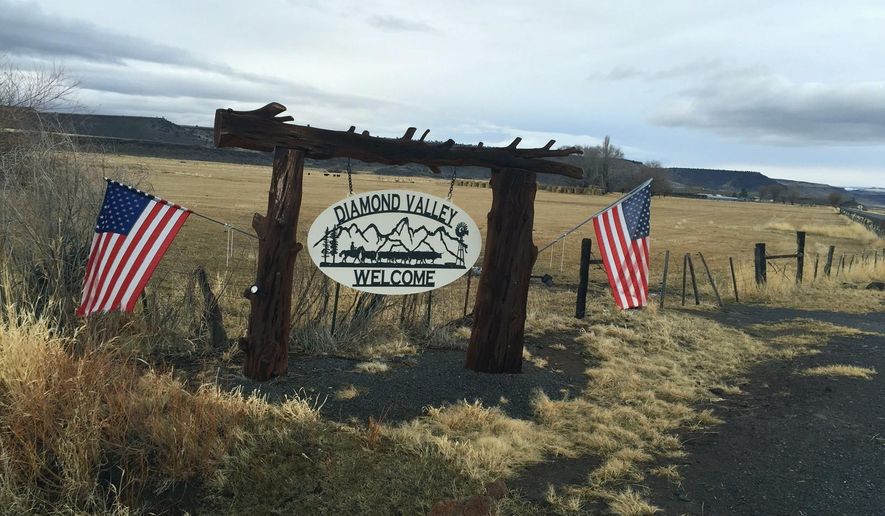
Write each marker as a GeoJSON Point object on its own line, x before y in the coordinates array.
{"type": "Point", "coordinates": [792, 89]}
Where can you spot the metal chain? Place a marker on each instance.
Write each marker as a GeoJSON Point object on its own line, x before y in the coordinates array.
{"type": "Point", "coordinates": [452, 184]}
{"type": "Point", "coordinates": [349, 178]}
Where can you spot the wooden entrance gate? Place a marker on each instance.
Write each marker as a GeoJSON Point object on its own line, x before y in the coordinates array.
{"type": "Point", "coordinates": [496, 339]}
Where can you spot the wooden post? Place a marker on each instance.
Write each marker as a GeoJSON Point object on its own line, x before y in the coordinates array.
{"type": "Point", "coordinates": [335, 307]}
{"type": "Point", "coordinates": [712, 281]}
{"type": "Point", "coordinates": [800, 256]}
{"type": "Point", "coordinates": [828, 267]}
{"type": "Point", "coordinates": [211, 318]}
{"type": "Point", "coordinates": [266, 343]}
{"type": "Point", "coordinates": [496, 339]}
{"type": "Point", "coordinates": [684, 276]}
{"type": "Point", "coordinates": [429, 307]}
{"type": "Point", "coordinates": [842, 264]}
{"type": "Point", "coordinates": [467, 292]}
{"type": "Point", "coordinates": [584, 275]}
{"type": "Point", "coordinates": [734, 282]}
{"type": "Point", "coordinates": [851, 264]}
{"type": "Point", "coordinates": [816, 264]}
{"type": "Point", "coordinates": [761, 266]}
{"type": "Point", "coordinates": [664, 279]}
{"type": "Point", "coordinates": [694, 281]}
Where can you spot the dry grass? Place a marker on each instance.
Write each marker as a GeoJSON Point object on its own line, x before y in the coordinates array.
{"type": "Point", "coordinates": [851, 231]}
{"type": "Point", "coordinates": [842, 291]}
{"type": "Point", "coordinates": [347, 392]}
{"type": "Point", "coordinates": [373, 367]}
{"type": "Point", "coordinates": [73, 427]}
{"type": "Point", "coordinates": [631, 503]}
{"type": "Point", "coordinates": [649, 371]}
{"type": "Point", "coordinates": [842, 371]}
{"type": "Point", "coordinates": [797, 337]}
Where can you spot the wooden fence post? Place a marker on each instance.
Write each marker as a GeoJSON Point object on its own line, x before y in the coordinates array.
{"type": "Point", "coordinates": [828, 267]}
{"type": "Point", "coordinates": [664, 279]}
{"type": "Point", "coordinates": [211, 317]}
{"type": "Point", "coordinates": [761, 266]}
{"type": "Point", "coordinates": [684, 276]}
{"type": "Point", "coordinates": [842, 264]}
{"type": "Point", "coordinates": [266, 343]}
{"type": "Point", "coordinates": [710, 277]}
{"type": "Point", "coordinates": [694, 281]}
{"type": "Point", "coordinates": [734, 282]}
{"type": "Point", "coordinates": [584, 275]}
{"type": "Point", "coordinates": [816, 264]}
{"type": "Point", "coordinates": [800, 256]}
{"type": "Point", "coordinates": [497, 336]}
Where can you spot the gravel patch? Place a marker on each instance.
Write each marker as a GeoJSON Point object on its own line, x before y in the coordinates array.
{"type": "Point", "coordinates": [430, 378]}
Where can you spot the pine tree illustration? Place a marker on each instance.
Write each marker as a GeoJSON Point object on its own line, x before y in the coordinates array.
{"type": "Point", "coordinates": [326, 247]}
{"type": "Point", "coordinates": [333, 245]}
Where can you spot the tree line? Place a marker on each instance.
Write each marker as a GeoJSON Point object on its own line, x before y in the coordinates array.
{"type": "Point", "coordinates": [606, 167]}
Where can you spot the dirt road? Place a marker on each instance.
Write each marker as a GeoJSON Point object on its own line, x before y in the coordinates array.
{"type": "Point", "coordinates": [793, 444]}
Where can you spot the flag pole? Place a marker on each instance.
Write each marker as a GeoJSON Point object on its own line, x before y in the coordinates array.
{"type": "Point", "coordinates": [588, 219]}
{"type": "Point", "coordinates": [164, 201]}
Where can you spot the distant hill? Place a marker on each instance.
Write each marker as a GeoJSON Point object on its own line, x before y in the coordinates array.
{"type": "Point", "coordinates": [141, 128]}
{"type": "Point", "coordinates": [718, 181]}
{"type": "Point", "coordinates": [156, 136]}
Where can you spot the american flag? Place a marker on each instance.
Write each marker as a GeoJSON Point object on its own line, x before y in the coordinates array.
{"type": "Point", "coordinates": [622, 234]}
{"type": "Point", "coordinates": [133, 231]}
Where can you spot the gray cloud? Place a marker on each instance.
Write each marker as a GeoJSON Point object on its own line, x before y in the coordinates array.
{"type": "Point", "coordinates": [395, 23]}
{"type": "Point", "coordinates": [205, 85]}
{"type": "Point", "coordinates": [107, 61]}
{"type": "Point", "coordinates": [28, 30]}
{"type": "Point", "coordinates": [770, 109]}
{"type": "Point", "coordinates": [695, 68]}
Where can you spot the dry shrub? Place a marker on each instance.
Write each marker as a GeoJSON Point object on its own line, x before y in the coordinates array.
{"type": "Point", "coordinates": [631, 503]}
{"type": "Point", "coordinates": [90, 432]}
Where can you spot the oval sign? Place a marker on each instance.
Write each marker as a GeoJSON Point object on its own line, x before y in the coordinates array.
{"type": "Point", "coordinates": [394, 242]}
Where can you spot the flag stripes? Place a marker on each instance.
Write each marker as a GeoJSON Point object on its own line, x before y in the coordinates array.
{"type": "Point", "coordinates": [622, 235]}
{"type": "Point", "coordinates": [133, 232]}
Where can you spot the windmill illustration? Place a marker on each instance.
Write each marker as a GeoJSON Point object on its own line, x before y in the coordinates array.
{"type": "Point", "coordinates": [461, 232]}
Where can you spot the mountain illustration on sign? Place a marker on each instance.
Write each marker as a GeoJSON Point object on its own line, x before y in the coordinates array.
{"type": "Point", "coordinates": [350, 245]}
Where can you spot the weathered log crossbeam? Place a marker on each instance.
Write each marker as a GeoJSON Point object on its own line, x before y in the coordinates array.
{"type": "Point", "coordinates": [263, 130]}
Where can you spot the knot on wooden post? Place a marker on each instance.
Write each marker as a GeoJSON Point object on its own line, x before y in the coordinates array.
{"type": "Point", "coordinates": [251, 292]}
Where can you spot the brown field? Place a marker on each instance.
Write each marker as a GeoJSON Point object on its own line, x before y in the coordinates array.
{"type": "Point", "coordinates": [716, 228]}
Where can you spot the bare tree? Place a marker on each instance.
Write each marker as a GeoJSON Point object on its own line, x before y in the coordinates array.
{"type": "Point", "coordinates": [777, 192]}
{"type": "Point", "coordinates": [608, 153]}
{"type": "Point", "coordinates": [27, 91]}
{"type": "Point", "coordinates": [836, 198]}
